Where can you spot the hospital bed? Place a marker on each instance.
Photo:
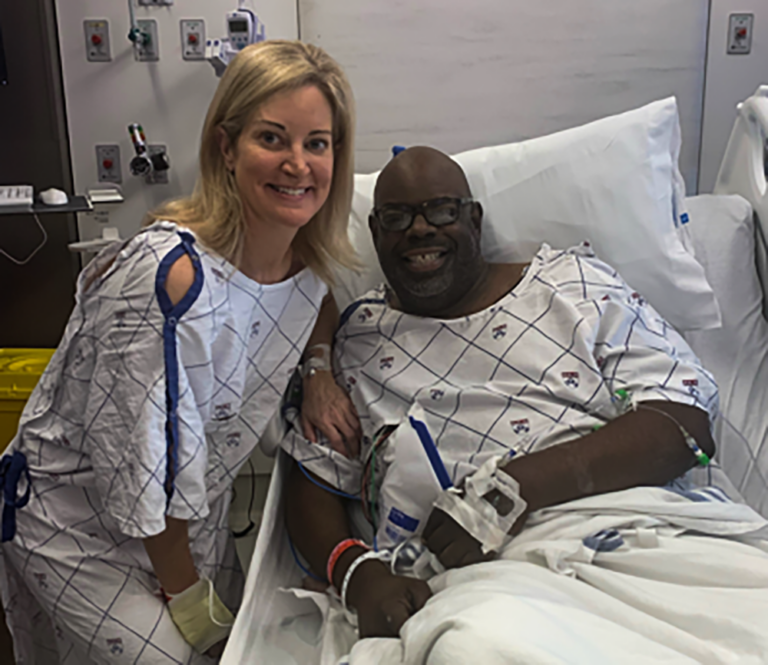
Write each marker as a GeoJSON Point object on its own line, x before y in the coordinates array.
{"type": "Point", "coordinates": [727, 231]}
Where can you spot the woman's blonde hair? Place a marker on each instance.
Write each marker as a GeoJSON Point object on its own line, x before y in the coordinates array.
{"type": "Point", "coordinates": [214, 210]}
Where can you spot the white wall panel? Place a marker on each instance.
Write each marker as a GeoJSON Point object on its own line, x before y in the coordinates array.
{"type": "Point", "coordinates": [169, 98]}
{"type": "Point", "coordinates": [459, 75]}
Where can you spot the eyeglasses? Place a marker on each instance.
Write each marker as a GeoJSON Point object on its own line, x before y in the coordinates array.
{"type": "Point", "coordinates": [438, 212]}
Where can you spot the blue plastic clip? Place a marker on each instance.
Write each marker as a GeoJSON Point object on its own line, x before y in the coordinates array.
{"type": "Point", "coordinates": [397, 149]}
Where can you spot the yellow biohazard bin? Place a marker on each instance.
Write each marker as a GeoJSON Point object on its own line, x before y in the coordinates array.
{"type": "Point", "coordinates": [20, 370]}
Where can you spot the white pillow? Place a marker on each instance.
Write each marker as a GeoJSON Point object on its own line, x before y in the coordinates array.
{"type": "Point", "coordinates": [614, 182]}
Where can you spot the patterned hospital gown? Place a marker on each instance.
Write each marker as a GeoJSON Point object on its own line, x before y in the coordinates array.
{"type": "Point", "coordinates": [538, 368]}
{"type": "Point", "coordinates": [147, 409]}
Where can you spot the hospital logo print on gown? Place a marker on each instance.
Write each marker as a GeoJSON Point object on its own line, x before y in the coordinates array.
{"type": "Point", "coordinates": [386, 363]}
{"type": "Point", "coordinates": [500, 331]}
{"type": "Point", "coordinates": [115, 646]}
{"type": "Point", "coordinates": [693, 386]}
{"type": "Point", "coordinates": [637, 299]}
{"type": "Point", "coordinates": [571, 379]}
{"type": "Point", "coordinates": [436, 394]}
{"type": "Point", "coordinates": [222, 411]}
{"type": "Point", "coordinates": [255, 328]}
{"type": "Point", "coordinates": [364, 315]}
{"type": "Point", "coordinates": [522, 426]}
{"type": "Point", "coordinates": [233, 439]}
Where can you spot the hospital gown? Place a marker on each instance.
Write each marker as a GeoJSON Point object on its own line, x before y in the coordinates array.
{"type": "Point", "coordinates": [146, 410]}
{"type": "Point", "coordinates": [541, 366]}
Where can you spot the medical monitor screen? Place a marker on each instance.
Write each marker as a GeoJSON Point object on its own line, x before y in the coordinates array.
{"type": "Point", "coordinates": [3, 68]}
{"type": "Point", "coordinates": [238, 26]}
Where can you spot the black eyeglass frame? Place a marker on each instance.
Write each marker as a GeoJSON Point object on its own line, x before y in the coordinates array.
{"type": "Point", "coordinates": [420, 208]}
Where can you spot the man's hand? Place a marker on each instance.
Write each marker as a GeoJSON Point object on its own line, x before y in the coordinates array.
{"type": "Point", "coordinates": [451, 543]}
{"type": "Point", "coordinates": [327, 408]}
{"type": "Point", "coordinates": [384, 602]}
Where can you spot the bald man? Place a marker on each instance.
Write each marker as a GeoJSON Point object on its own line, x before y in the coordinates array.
{"type": "Point", "coordinates": [526, 386]}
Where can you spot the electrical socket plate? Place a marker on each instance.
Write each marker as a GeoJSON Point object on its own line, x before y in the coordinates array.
{"type": "Point", "coordinates": [193, 28]}
{"type": "Point", "coordinates": [106, 154]}
{"type": "Point", "coordinates": [740, 34]}
{"type": "Point", "coordinates": [97, 40]}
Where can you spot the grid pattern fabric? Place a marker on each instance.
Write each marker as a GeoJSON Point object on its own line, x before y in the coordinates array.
{"type": "Point", "coordinates": [539, 367]}
{"type": "Point", "coordinates": [147, 409]}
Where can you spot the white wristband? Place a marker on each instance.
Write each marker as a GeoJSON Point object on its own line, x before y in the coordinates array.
{"type": "Point", "coordinates": [367, 556]}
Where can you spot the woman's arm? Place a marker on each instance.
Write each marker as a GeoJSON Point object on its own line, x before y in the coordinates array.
{"type": "Point", "coordinates": [325, 406]}
{"type": "Point", "coordinates": [170, 556]}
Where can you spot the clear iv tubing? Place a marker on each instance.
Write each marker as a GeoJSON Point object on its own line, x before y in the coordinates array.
{"type": "Point", "coordinates": [134, 25]}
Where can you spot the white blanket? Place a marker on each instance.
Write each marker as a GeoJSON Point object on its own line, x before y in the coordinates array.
{"type": "Point", "coordinates": [620, 578]}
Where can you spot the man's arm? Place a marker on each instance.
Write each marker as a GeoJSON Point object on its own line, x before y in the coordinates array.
{"type": "Point", "coordinates": [317, 522]}
{"type": "Point", "coordinates": [642, 447]}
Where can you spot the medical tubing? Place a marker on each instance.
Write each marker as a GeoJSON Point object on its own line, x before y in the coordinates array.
{"type": "Point", "coordinates": [251, 524]}
{"type": "Point", "coordinates": [701, 457]}
{"type": "Point", "coordinates": [23, 262]}
{"type": "Point", "coordinates": [325, 487]}
{"type": "Point", "coordinates": [753, 462]}
{"type": "Point", "coordinates": [373, 500]}
{"type": "Point", "coordinates": [303, 568]}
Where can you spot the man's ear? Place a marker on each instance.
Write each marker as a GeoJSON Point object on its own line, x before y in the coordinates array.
{"type": "Point", "coordinates": [227, 148]}
{"type": "Point", "coordinates": [477, 215]}
{"type": "Point", "coordinates": [373, 225]}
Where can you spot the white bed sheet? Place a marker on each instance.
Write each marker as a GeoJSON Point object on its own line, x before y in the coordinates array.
{"type": "Point", "coordinates": [723, 234]}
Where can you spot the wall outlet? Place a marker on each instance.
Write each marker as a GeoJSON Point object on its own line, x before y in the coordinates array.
{"type": "Point", "coordinates": [740, 33]}
{"type": "Point", "coordinates": [97, 40]}
{"type": "Point", "coordinates": [108, 163]}
{"type": "Point", "coordinates": [193, 39]}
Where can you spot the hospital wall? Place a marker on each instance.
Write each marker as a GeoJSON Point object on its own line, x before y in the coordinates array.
{"type": "Point", "coordinates": [730, 79]}
{"type": "Point", "coordinates": [169, 98]}
{"type": "Point", "coordinates": [459, 75]}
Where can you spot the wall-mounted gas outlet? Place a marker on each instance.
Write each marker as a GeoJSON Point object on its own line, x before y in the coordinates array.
{"type": "Point", "coordinates": [740, 33]}
{"type": "Point", "coordinates": [108, 163]}
{"type": "Point", "coordinates": [148, 48]}
{"type": "Point", "coordinates": [193, 39]}
{"type": "Point", "coordinates": [157, 177]}
{"type": "Point", "coordinates": [97, 41]}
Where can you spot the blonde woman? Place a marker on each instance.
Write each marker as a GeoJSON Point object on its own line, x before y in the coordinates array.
{"type": "Point", "coordinates": [178, 351]}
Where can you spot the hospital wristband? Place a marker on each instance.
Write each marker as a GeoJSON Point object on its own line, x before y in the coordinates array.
{"type": "Point", "coordinates": [370, 555]}
{"type": "Point", "coordinates": [336, 553]}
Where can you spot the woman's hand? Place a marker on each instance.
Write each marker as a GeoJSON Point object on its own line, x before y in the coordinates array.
{"type": "Point", "coordinates": [327, 408]}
